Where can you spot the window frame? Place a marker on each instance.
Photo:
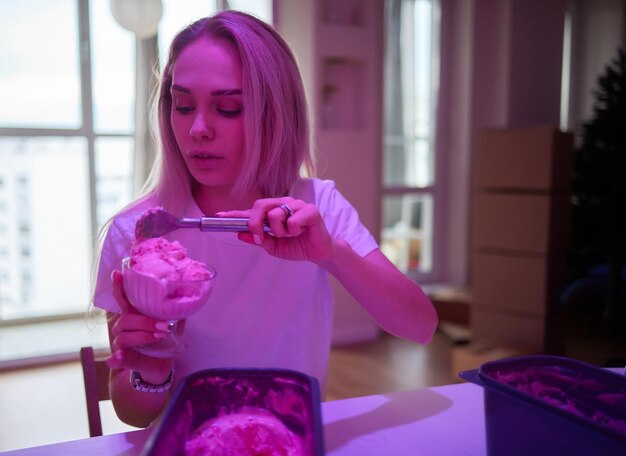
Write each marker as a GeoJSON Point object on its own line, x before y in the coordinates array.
{"type": "Point", "coordinates": [86, 131]}
{"type": "Point", "coordinates": [435, 190]}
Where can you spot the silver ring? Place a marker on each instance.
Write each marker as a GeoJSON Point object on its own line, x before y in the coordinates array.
{"type": "Point", "coordinates": [287, 210]}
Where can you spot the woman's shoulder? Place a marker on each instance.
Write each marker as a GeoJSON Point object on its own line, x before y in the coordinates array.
{"type": "Point", "coordinates": [124, 221]}
{"type": "Point", "coordinates": [140, 205]}
{"type": "Point", "coordinates": [313, 189]}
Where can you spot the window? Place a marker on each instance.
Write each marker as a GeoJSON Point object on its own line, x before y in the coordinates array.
{"type": "Point", "coordinates": [49, 125]}
{"type": "Point", "coordinates": [409, 188]}
{"type": "Point", "coordinates": [67, 84]}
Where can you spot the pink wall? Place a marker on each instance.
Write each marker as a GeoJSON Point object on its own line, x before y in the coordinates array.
{"type": "Point", "coordinates": [535, 62]}
{"type": "Point", "coordinates": [517, 62]}
{"type": "Point", "coordinates": [490, 65]}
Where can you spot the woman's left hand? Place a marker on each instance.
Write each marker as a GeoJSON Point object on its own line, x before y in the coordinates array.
{"type": "Point", "coordinates": [298, 230]}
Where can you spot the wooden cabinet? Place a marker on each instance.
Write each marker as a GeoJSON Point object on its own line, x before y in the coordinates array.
{"type": "Point", "coordinates": [520, 235]}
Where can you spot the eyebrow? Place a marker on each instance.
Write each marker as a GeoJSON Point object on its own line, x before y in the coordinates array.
{"type": "Point", "coordinates": [219, 92]}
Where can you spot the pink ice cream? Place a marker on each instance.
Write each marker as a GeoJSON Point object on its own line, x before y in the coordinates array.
{"type": "Point", "coordinates": [250, 431]}
{"type": "Point", "coordinates": [166, 260]}
{"type": "Point", "coordinates": [571, 392]}
{"type": "Point", "coordinates": [161, 280]}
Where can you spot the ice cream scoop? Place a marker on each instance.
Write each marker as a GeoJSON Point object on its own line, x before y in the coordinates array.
{"type": "Point", "coordinates": [158, 222]}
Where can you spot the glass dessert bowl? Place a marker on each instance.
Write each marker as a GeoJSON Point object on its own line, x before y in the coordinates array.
{"type": "Point", "coordinates": [165, 299]}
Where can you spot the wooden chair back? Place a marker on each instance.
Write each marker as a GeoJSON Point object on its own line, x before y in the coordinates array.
{"type": "Point", "coordinates": [96, 378]}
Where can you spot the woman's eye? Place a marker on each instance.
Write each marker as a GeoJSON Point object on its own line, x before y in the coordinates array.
{"type": "Point", "coordinates": [229, 112]}
{"type": "Point", "coordinates": [184, 109]}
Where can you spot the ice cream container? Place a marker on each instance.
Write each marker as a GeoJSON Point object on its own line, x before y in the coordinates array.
{"type": "Point", "coordinates": [551, 405]}
{"type": "Point", "coordinates": [291, 396]}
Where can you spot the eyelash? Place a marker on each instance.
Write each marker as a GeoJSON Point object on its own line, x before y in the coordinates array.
{"type": "Point", "coordinates": [229, 113]}
{"type": "Point", "coordinates": [225, 112]}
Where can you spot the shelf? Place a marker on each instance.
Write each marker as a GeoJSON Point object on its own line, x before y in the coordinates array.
{"type": "Point", "coordinates": [342, 94]}
{"type": "Point", "coordinates": [344, 12]}
{"type": "Point", "coordinates": [343, 42]}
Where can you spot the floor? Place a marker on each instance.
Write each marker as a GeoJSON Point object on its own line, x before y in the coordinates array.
{"type": "Point", "coordinates": [389, 364]}
{"type": "Point", "coordinates": [46, 404]}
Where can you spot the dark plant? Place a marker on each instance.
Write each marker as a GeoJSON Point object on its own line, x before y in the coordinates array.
{"type": "Point", "coordinates": [599, 185]}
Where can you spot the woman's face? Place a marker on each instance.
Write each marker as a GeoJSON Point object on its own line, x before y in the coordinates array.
{"type": "Point", "coordinates": [207, 111]}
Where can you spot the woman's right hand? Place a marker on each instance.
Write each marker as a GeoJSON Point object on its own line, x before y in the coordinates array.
{"type": "Point", "coordinates": [129, 329]}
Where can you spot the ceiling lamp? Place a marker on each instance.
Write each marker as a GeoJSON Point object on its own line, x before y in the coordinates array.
{"type": "Point", "coordinates": [138, 16]}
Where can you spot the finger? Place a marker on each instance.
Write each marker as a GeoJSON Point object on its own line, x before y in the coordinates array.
{"type": "Point", "coordinates": [119, 294]}
{"type": "Point", "coordinates": [277, 211]}
{"type": "Point", "coordinates": [132, 359]}
{"type": "Point", "coordinates": [258, 216]}
{"type": "Point", "coordinates": [245, 214]}
{"type": "Point", "coordinates": [137, 322]}
{"type": "Point", "coordinates": [116, 359]}
{"type": "Point", "coordinates": [304, 217]}
{"type": "Point", "coordinates": [250, 238]}
{"type": "Point", "coordinates": [130, 339]}
{"type": "Point", "coordinates": [235, 213]}
{"type": "Point", "coordinates": [277, 219]}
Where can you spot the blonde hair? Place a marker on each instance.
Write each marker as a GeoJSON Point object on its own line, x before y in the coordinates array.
{"type": "Point", "coordinates": [276, 123]}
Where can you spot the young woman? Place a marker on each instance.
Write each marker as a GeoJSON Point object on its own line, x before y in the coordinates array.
{"type": "Point", "coordinates": [234, 133]}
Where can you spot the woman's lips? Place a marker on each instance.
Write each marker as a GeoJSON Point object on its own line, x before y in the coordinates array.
{"type": "Point", "coordinates": [205, 160]}
{"type": "Point", "coordinates": [205, 155]}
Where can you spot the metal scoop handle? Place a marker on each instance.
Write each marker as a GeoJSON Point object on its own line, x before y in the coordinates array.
{"type": "Point", "coordinates": [233, 224]}
{"type": "Point", "coordinates": [214, 224]}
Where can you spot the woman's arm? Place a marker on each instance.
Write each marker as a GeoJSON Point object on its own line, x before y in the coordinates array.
{"type": "Point", "coordinates": [393, 300]}
{"type": "Point", "coordinates": [396, 303]}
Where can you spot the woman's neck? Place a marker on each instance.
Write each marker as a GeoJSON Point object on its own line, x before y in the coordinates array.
{"type": "Point", "coordinates": [214, 199]}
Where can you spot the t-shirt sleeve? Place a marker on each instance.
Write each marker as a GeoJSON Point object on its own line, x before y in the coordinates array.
{"type": "Point", "coordinates": [115, 247]}
{"type": "Point", "coordinates": [342, 219]}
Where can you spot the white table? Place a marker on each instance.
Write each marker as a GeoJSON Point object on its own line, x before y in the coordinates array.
{"type": "Point", "coordinates": [444, 420]}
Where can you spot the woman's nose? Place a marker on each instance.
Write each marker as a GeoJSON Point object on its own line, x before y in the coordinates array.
{"type": "Point", "coordinates": [200, 129]}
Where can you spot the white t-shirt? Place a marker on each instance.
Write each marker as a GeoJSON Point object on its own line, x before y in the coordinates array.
{"type": "Point", "coordinates": [263, 311]}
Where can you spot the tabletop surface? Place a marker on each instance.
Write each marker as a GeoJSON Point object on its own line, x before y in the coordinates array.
{"type": "Point", "coordinates": [443, 420]}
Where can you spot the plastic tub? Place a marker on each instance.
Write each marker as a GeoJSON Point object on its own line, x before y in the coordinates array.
{"type": "Point", "coordinates": [290, 396]}
{"type": "Point", "coordinates": [550, 405]}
